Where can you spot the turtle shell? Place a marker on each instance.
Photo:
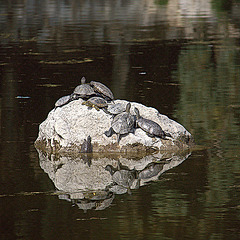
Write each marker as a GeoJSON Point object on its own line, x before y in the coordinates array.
{"type": "Point", "coordinates": [150, 127]}
{"type": "Point", "coordinates": [97, 101]}
{"type": "Point", "coordinates": [151, 170]}
{"type": "Point", "coordinates": [123, 123]}
{"type": "Point", "coordinates": [117, 108]}
{"type": "Point", "coordinates": [62, 101]}
{"type": "Point", "coordinates": [102, 89]}
{"type": "Point", "coordinates": [124, 178]}
{"type": "Point", "coordinates": [84, 90]}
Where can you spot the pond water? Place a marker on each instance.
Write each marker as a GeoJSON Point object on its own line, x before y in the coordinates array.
{"type": "Point", "coordinates": [181, 57]}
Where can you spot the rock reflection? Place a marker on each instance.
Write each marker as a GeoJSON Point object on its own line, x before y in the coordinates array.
{"type": "Point", "coordinates": [90, 181]}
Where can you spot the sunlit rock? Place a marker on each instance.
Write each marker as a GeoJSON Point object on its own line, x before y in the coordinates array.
{"type": "Point", "coordinates": [66, 127]}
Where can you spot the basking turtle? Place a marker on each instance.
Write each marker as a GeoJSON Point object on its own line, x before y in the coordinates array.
{"type": "Point", "coordinates": [83, 90]}
{"type": "Point", "coordinates": [96, 102]}
{"type": "Point", "coordinates": [150, 127]}
{"type": "Point", "coordinates": [122, 123]}
{"type": "Point", "coordinates": [115, 109]}
{"type": "Point", "coordinates": [86, 146]}
{"type": "Point", "coordinates": [103, 90]}
{"type": "Point", "coordinates": [123, 177]}
{"type": "Point", "coordinates": [63, 101]}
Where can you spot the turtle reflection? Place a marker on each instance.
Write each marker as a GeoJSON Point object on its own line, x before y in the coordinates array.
{"type": "Point", "coordinates": [86, 150]}
{"type": "Point", "coordinates": [91, 200]}
{"type": "Point", "coordinates": [151, 170]}
{"type": "Point", "coordinates": [123, 177]}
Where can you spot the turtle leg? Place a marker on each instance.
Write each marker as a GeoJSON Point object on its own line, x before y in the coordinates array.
{"type": "Point", "coordinates": [138, 184]}
{"type": "Point", "coordinates": [132, 130]}
{"type": "Point", "coordinates": [118, 137]}
{"type": "Point", "coordinates": [96, 107]}
{"type": "Point", "coordinates": [106, 111]}
{"type": "Point", "coordinates": [129, 191]}
{"type": "Point", "coordinates": [74, 97]}
{"type": "Point", "coordinates": [109, 133]}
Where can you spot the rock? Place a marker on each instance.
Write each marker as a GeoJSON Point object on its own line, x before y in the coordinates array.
{"type": "Point", "coordinates": [66, 127]}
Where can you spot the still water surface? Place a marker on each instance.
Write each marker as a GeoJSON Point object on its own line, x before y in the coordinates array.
{"type": "Point", "coordinates": [181, 57]}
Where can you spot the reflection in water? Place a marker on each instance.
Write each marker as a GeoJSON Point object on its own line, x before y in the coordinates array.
{"type": "Point", "coordinates": [97, 200]}
{"type": "Point", "coordinates": [93, 186]}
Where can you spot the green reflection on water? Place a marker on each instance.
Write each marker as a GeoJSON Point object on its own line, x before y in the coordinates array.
{"type": "Point", "coordinates": [209, 92]}
{"type": "Point", "coordinates": [209, 107]}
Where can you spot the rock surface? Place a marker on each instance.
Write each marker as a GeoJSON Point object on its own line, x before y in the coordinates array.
{"type": "Point", "coordinates": [66, 127]}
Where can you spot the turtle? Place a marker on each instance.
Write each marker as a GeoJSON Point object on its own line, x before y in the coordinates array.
{"type": "Point", "coordinates": [63, 101]}
{"type": "Point", "coordinates": [122, 123]}
{"type": "Point", "coordinates": [115, 109]}
{"type": "Point", "coordinates": [86, 146]}
{"type": "Point", "coordinates": [122, 176]}
{"type": "Point", "coordinates": [103, 90]}
{"type": "Point", "coordinates": [96, 102]}
{"type": "Point", "coordinates": [83, 90]}
{"type": "Point", "coordinates": [152, 128]}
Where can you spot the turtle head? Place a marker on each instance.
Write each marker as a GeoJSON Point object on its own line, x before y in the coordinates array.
{"type": "Point", "coordinates": [137, 112]}
{"type": "Point", "coordinates": [87, 103]}
{"type": "Point", "coordinates": [89, 139]}
{"type": "Point", "coordinates": [83, 80]}
{"type": "Point", "coordinates": [110, 169]}
{"type": "Point", "coordinates": [128, 106]}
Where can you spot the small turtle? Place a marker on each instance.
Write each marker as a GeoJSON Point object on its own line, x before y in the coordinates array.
{"type": "Point", "coordinates": [150, 127]}
{"type": "Point", "coordinates": [63, 101]}
{"type": "Point", "coordinates": [83, 90]}
{"type": "Point", "coordinates": [86, 146]}
{"type": "Point", "coordinates": [96, 102]}
{"type": "Point", "coordinates": [115, 109]}
{"type": "Point", "coordinates": [103, 90]}
{"type": "Point", "coordinates": [122, 123]}
{"type": "Point", "coordinates": [122, 177]}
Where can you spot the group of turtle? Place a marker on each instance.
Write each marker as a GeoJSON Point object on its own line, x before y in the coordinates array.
{"type": "Point", "coordinates": [97, 95]}
{"type": "Point", "coordinates": [123, 177]}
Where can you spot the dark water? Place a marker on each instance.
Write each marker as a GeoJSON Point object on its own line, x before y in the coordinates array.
{"type": "Point", "coordinates": [181, 58]}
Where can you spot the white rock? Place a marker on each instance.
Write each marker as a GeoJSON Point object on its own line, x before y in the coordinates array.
{"type": "Point", "coordinates": [66, 128]}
